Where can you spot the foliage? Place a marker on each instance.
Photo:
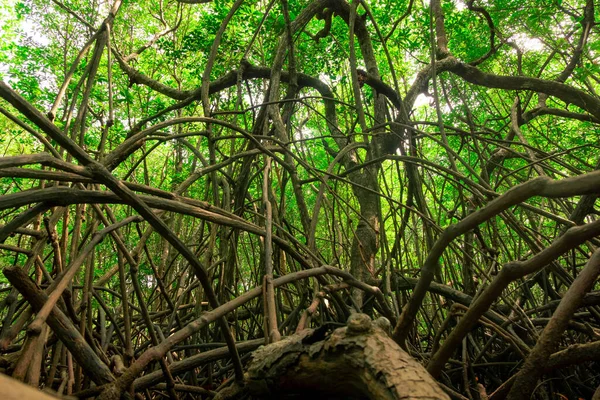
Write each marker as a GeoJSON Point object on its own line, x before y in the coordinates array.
{"type": "Point", "coordinates": [365, 184]}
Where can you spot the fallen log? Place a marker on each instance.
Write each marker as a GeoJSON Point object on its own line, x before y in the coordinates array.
{"type": "Point", "coordinates": [359, 361]}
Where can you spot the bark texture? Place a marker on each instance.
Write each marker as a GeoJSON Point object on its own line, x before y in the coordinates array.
{"type": "Point", "coordinates": [357, 361]}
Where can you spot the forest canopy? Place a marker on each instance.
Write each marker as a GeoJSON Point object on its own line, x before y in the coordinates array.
{"type": "Point", "coordinates": [397, 198]}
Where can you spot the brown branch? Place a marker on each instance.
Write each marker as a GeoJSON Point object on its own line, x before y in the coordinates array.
{"type": "Point", "coordinates": [566, 93]}
{"type": "Point", "coordinates": [114, 390]}
{"type": "Point", "coordinates": [528, 376]}
{"type": "Point", "coordinates": [62, 327]}
{"type": "Point", "coordinates": [542, 186]}
{"type": "Point", "coordinates": [510, 272]}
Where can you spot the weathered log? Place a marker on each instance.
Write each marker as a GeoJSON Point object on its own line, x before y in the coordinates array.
{"type": "Point", "coordinates": [357, 361]}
